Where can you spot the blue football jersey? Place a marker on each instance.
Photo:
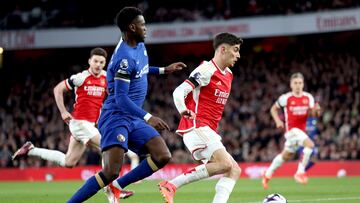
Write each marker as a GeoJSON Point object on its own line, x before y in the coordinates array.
{"type": "Point", "coordinates": [129, 65]}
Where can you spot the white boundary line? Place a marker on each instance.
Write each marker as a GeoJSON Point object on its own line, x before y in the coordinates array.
{"type": "Point", "coordinates": [320, 200]}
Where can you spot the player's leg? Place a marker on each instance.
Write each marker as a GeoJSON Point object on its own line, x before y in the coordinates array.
{"type": "Point", "coordinates": [313, 159]}
{"type": "Point", "coordinates": [226, 184]}
{"type": "Point", "coordinates": [287, 154]}
{"type": "Point", "coordinates": [84, 133]}
{"type": "Point", "coordinates": [28, 149]}
{"type": "Point", "coordinates": [75, 150]}
{"type": "Point", "coordinates": [113, 145]}
{"type": "Point", "coordinates": [113, 158]}
{"type": "Point", "coordinates": [134, 159]}
{"type": "Point", "coordinates": [148, 139]}
{"type": "Point", "coordinates": [205, 145]}
{"type": "Point", "coordinates": [109, 191]}
{"type": "Point", "coordinates": [300, 175]}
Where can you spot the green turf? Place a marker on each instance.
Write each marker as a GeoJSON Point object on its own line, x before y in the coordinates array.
{"type": "Point", "coordinates": [344, 190]}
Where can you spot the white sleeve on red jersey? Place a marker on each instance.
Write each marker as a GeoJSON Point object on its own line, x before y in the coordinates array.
{"type": "Point", "coordinates": [311, 99]}
{"type": "Point", "coordinates": [76, 80]}
{"type": "Point", "coordinates": [179, 95]}
{"type": "Point", "coordinates": [201, 75]}
{"type": "Point", "coordinates": [282, 101]}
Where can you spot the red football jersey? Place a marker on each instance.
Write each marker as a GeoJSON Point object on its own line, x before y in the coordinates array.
{"type": "Point", "coordinates": [208, 98]}
{"type": "Point", "coordinates": [296, 109]}
{"type": "Point", "coordinates": [90, 92]}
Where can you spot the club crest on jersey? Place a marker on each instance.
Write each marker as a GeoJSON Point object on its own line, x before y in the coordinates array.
{"type": "Point", "coordinates": [124, 64]}
{"type": "Point", "coordinates": [305, 101]}
{"type": "Point", "coordinates": [102, 81]}
{"type": "Point", "coordinates": [121, 138]}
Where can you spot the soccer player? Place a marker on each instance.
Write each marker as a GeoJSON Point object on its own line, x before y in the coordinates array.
{"type": "Point", "coordinates": [297, 105]}
{"type": "Point", "coordinates": [89, 87]}
{"type": "Point", "coordinates": [200, 101]}
{"type": "Point", "coordinates": [123, 123]}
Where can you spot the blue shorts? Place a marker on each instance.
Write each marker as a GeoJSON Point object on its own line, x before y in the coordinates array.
{"type": "Point", "coordinates": [124, 131]}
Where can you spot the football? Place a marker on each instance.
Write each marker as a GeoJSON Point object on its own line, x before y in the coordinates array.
{"type": "Point", "coordinates": [274, 198]}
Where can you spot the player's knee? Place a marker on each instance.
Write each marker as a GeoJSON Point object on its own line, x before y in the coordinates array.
{"type": "Point", "coordinates": [225, 166]}
{"type": "Point", "coordinates": [70, 163]}
{"type": "Point", "coordinates": [163, 159]}
{"type": "Point", "coordinates": [236, 170]}
{"type": "Point", "coordinates": [310, 144]}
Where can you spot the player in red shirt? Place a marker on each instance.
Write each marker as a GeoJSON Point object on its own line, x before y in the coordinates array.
{"type": "Point", "coordinates": [89, 87]}
{"type": "Point", "coordinates": [296, 105]}
{"type": "Point", "coordinates": [200, 101]}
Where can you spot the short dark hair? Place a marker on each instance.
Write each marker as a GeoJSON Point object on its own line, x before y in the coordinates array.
{"type": "Point", "coordinates": [126, 16]}
{"type": "Point", "coordinates": [226, 38]}
{"type": "Point", "coordinates": [98, 51]}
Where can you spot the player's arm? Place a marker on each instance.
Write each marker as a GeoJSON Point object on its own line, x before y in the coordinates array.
{"type": "Point", "coordinates": [199, 77]}
{"type": "Point", "coordinates": [179, 95]}
{"type": "Point", "coordinates": [315, 109]}
{"type": "Point", "coordinates": [274, 111]}
{"type": "Point", "coordinates": [59, 90]}
{"type": "Point", "coordinates": [122, 84]}
{"type": "Point", "coordinates": [168, 69]}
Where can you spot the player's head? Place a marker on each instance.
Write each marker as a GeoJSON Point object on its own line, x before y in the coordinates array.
{"type": "Point", "coordinates": [97, 60]}
{"type": "Point", "coordinates": [227, 46]}
{"type": "Point", "coordinates": [130, 20]}
{"type": "Point", "coordinates": [297, 83]}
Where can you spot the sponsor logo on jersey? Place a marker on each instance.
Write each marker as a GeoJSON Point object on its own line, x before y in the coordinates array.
{"type": "Point", "coordinates": [222, 96]}
{"type": "Point", "coordinates": [218, 83]}
{"type": "Point", "coordinates": [299, 110]}
{"type": "Point", "coordinates": [94, 90]}
{"type": "Point", "coordinates": [102, 81]}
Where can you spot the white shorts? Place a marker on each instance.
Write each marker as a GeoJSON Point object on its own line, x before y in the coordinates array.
{"type": "Point", "coordinates": [202, 143]}
{"type": "Point", "coordinates": [294, 139]}
{"type": "Point", "coordinates": [130, 153]}
{"type": "Point", "coordinates": [83, 130]}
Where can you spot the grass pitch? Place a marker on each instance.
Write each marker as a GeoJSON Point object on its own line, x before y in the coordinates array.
{"type": "Point", "coordinates": [344, 190]}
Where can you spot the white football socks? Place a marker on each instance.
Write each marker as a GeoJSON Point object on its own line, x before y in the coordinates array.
{"type": "Point", "coordinates": [276, 163]}
{"type": "Point", "coordinates": [49, 155]}
{"type": "Point", "coordinates": [223, 189]}
{"type": "Point", "coordinates": [305, 160]}
{"type": "Point", "coordinates": [197, 173]}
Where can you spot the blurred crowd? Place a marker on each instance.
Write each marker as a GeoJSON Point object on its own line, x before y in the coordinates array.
{"type": "Point", "coordinates": [34, 14]}
{"type": "Point", "coordinates": [332, 74]}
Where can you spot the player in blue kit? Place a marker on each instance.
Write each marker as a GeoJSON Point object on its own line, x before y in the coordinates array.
{"type": "Point", "coordinates": [123, 123]}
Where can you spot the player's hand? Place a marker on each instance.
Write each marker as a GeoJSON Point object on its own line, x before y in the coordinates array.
{"type": "Point", "coordinates": [175, 67]}
{"type": "Point", "coordinates": [158, 123]}
{"type": "Point", "coordinates": [280, 124]}
{"type": "Point", "coordinates": [66, 116]}
{"type": "Point", "coordinates": [188, 114]}
{"type": "Point", "coordinates": [317, 109]}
